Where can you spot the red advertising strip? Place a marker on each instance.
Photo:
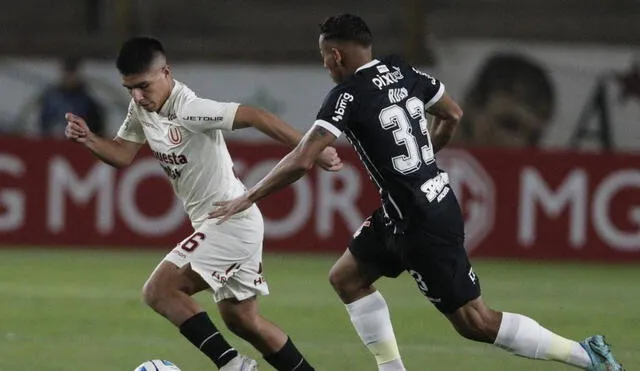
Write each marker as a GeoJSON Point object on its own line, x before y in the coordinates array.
{"type": "Point", "coordinates": [524, 204]}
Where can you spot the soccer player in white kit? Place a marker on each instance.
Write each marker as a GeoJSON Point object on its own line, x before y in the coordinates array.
{"type": "Point", "coordinates": [184, 132]}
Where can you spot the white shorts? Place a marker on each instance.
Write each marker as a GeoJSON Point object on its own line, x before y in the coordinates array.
{"type": "Point", "coordinates": [227, 256]}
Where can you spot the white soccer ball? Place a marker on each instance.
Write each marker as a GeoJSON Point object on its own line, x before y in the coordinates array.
{"type": "Point", "coordinates": [157, 365]}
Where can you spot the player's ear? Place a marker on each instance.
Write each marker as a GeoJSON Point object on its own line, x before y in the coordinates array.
{"type": "Point", "coordinates": [166, 70]}
{"type": "Point", "coordinates": [337, 56]}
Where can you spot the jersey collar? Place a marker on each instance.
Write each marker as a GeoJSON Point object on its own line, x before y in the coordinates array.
{"type": "Point", "coordinates": [367, 65]}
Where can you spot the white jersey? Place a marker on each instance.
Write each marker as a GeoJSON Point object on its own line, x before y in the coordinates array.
{"type": "Point", "coordinates": [185, 138]}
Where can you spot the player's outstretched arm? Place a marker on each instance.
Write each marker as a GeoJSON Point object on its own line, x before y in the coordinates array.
{"type": "Point", "coordinates": [291, 168]}
{"type": "Point", "coordinates": [117, 152]}
{"type": "Point", "coordinates": [279, 130]}
{"type": "Point", "coordinates": [268, 123]}
{"type": "Point", "coordinates": [447, 116]}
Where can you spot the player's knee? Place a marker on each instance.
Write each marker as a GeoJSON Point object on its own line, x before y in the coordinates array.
{"type": "Point", "coordinates": [341, 282]}
{"type": "Point", "coordinates": [348, 287]}
{"type": "Point", "coordinates": [153, 293]}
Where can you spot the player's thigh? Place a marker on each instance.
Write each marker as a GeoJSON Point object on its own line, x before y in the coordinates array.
{"type": "Point", "coordinates": [168, 276]}
{"type": "Point", "coordinates": [347, 272]}
{"type": "Point", "coordinates": [433, 253]}
{"type": "Point", "coordinates": [368, 257]}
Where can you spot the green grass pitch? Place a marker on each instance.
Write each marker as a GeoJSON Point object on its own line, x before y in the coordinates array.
{"type": "Point", "coordinates": [63, 310]}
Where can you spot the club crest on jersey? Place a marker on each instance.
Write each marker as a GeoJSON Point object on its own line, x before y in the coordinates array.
{"type": "Point", "coordinates": [175, 135]}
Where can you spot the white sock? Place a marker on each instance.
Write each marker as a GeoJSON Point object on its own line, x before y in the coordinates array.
{"type": "Point", "coordinates": [525, 337]}
{"type": "Point", "coordinates": [371, 319]}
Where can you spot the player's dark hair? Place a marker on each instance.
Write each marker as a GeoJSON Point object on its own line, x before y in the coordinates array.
{"type": "Point", "coordinates": [346, 27]}
{"type": "Point", "coordinates": [137, 54]}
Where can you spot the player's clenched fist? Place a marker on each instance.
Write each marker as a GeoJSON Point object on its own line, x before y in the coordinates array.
{"type": "Point", "coordinates": [77, 129]}
{"type": "Point", "coordinates": [329, 159]}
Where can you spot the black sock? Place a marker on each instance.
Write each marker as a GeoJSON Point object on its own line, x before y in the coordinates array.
{"type": "Point", "coordinates": [202, 333]}
{"type": "Point", "coordinates": [288, 358]}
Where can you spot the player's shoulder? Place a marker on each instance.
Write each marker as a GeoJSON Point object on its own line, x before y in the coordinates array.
{"type": "Point", "coordinates": [394, 60]}
{"type": "Point", "coordinates": [340, 89]}
{"type": "Point", "coordinates": [180, 95]}
{"type": "Point", "coordinates": [403, 65]}
{"type": "Point", "coordinates": [133, 109]}
{"type": "Point", "coordinates": [182, 92]}
{"type": "Point", "coordinates": [181, 89]}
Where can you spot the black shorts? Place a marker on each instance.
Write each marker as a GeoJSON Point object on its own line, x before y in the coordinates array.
{"type": "Point", "coordinates": [431, 249]}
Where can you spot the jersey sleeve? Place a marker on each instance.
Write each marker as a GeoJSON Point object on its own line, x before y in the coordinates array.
{"type": "Point", "coordinates": [433, 88]}
{"type": "Point", "coordinates": [336, 110]}
{"type": "Point", "coordinates": [200, 114]}
{"type": "Point", "coordinates": [131, 129]}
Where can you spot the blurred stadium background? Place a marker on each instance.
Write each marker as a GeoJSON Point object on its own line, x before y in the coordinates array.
{"type": "Point", "coordinates": [545, 165]}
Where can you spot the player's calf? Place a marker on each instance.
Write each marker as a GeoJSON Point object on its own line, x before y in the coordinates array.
{"type": "Point", "coordinates": [475, 321]}
{"type": "Point", "coordinates": [243, 319]}
{"type": "Point", "coordinates": [168, 291]}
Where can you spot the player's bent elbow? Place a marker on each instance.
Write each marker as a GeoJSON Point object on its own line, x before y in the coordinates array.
{"type": "Point", "coordinates": [456, 114]}
{"type": "Point", "coordinates": [120, 163]}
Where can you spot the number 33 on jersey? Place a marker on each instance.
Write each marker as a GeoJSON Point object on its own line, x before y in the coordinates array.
{"type": "Point", "coordinates": [382, 111]}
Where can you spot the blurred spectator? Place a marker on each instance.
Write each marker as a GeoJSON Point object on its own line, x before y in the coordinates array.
{"type": "Point", "coordinates": [509, 104]}
{"type": "Point", "coordinates": [69, 94]}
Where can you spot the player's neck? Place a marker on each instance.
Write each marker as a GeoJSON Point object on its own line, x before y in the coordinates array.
{"type": "Point", "coordinates": [172, 84]}
{"type": "Point", "coordinates": [362, 63]}
{"type": "Point", "coordinates": [359, 59]}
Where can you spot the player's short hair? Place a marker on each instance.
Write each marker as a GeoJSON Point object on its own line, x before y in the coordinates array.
{"type": "Point", "coordinates": [346, 27]}
{"type": "Point", "coordinates": [137, 54]}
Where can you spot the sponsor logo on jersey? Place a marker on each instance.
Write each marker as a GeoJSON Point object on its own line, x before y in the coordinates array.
{"type": "Point", "coordinates": [172, 116]}
{"type": "Point", "coordinates": [397, 95]}
{"type": "Point", "coordinates": [433, 80]}
{"type": "Point", "coordinates": [203, 118]}
{"type": "Point", "coordinates": [383, 80]}
{"type": "Point", "coordinates": [171, 172]}
{"type": "Point", "coordinates": [341, 106]}
{"type": "Point", "coordinates": [170, 158]}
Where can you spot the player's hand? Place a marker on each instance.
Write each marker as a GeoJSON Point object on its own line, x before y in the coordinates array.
{"type": "Point", "coordinates": [77, 129]}
{"type": "Point", "coordinates": [329, 160]}
{"type": "Point", "coordinates": [226, 209]}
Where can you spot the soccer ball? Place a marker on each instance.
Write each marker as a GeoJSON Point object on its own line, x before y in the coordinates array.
{"type": "Point", "coordinates": [157, 365]}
